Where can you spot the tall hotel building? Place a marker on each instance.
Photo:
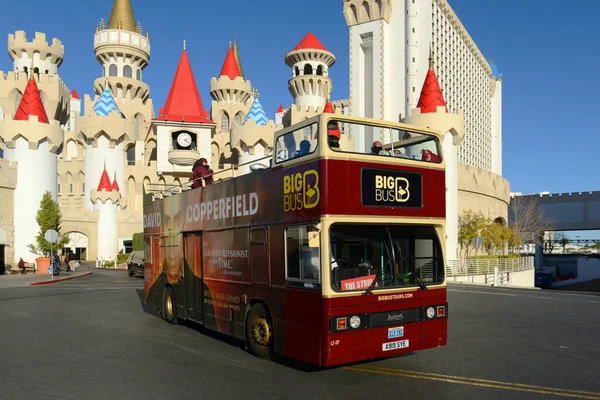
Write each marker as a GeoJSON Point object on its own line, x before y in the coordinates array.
{"type": "Point", "coordinates": [390, 44]}
{"type": "Point", "coordinates": [391, 39]}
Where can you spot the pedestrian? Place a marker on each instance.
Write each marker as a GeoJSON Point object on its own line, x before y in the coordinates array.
{"type": "Point", "coordinates": [22, 265]}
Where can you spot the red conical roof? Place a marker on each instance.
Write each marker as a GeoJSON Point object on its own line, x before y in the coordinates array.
{"type": "Point", "coordinates": [329, 108]}
{"type": "Point", "coordinates": [310, 41]}
{"type": "Point", "coordinates": [184, 102]}
{"type": "Point", "coordinates": [280, 109]}
{"type": "Point", "coordinates": [115, 185]}
{"type": "Point", "coordinates": [104, 185]}
{"type": "Point", "coordinates": [230, 66]}
{"type": "Point", "coordinates": [75, 95]}
{"type": "Point", "coordinates": [31, 103]}
{"type": "Point", "coordinates": [431, 94]}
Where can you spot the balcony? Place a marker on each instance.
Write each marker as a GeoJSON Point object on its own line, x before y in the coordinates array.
{"type": "Point", "coordinates": [183, 157]}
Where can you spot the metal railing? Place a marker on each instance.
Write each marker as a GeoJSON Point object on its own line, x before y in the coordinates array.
{"type": "Point", "coordinates": [486, 266]}
{"type": "Point", "coordinates": [158, 190]}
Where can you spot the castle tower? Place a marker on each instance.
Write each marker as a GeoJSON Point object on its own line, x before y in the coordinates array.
{"type": "Point", "coordinates": [75, 110]}
{"type": "Point", "coordinates": [431, 112]}
{"type": "Point", "coordinates": [279, 115]}
{"type": "Point", "coordinates": [231, 94]}
{"type": "Point", "coordinates": [106, 198]}
{"type": "Point", "coordinates": [124, 52]}
{"type": "Point", "coordinates": [107, 134]}
{"type": "Point", "coordinates": [310, 62]}
{"type": "Point", "coordinates": [45, 58]}
{"type": "Point", "coordinates": [32, 140]}
{"type": "Point", "coordinates": [254, 137]}
{"type": "Point", "coordinates": [183, 129]}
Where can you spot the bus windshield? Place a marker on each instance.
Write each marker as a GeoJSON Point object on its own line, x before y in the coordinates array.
{"type": "Point", "coordinates": [351, 137]}
{"type": "Point", "coordinates": [392, 255]}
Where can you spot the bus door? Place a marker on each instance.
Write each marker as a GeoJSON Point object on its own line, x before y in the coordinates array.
{"type": "Point", "coordinates": [259, 256]}
{"type": "Point", "coordinates": [192, 273]}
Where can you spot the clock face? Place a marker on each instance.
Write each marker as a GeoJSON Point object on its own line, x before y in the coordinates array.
{"type": "Point", "coordinates": [184, 139]}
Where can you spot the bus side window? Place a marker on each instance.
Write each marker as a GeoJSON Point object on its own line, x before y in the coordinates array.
{"type": "Point", "coordinates": [302, 254]}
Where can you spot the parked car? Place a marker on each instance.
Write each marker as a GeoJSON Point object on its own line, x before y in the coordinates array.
{"type": "Point", "coordinates": [135, 263]}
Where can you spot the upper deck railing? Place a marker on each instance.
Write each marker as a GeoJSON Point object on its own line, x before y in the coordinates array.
{"type": "Point", "coordinates": [347, 137]}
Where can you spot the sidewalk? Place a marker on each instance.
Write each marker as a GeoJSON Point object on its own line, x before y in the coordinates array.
{"type": "Point", "coordinates": [25, 280]}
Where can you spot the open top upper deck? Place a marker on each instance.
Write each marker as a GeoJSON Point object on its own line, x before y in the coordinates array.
{"type": "Point", "coordinates": [319, 167]}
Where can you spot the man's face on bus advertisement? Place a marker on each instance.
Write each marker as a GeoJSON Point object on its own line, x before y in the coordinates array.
{"type": "Point", "coordinates": [171, 222]}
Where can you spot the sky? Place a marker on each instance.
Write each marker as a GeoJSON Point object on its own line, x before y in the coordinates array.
{"type": "Point", "coordinates": [545, 49]}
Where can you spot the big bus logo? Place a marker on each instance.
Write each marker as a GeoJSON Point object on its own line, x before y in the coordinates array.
{"type": "Point", "coordinates": [391, 188]}
{"type": "Point", "coordinates": [301, 190]}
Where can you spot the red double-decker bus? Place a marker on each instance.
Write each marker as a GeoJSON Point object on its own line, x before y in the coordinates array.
{"type": "Point", "coordinates": [326, 254]}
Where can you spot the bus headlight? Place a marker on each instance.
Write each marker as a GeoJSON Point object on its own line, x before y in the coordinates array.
{"type": "Point", "coordinates": [430, 312]}
{"type": "Point", "coordinates": [355, 321]}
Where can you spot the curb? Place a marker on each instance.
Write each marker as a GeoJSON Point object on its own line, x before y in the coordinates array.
{"type": "Point", "coordinates": [60, 279]}
{"type": "Point", "coordinates": [111, 269]}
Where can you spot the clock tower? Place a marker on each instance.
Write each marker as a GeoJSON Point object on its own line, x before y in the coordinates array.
{"type": "Point", "coordinates": [183, 129]}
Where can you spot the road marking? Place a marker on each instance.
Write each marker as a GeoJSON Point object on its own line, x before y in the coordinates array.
{"type": "Point", "coordinates": [490, 293]}
{"type": "Point", "coordinates": [519, 387]}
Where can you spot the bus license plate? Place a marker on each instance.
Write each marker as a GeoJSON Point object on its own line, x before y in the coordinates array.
{"type": "Point", "coordinates": [400, 344]}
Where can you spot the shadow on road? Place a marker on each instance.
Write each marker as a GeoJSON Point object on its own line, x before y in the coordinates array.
{"type": "Point", "coordinates": [145, 308]}
{"type": "Point", "coordinates": [281, 360]}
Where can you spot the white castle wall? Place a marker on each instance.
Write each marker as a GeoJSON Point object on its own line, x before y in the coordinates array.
{"type": "Point", "coordinates": [246, 157]}
{"type": "Point", "coordinates": [107, 229]}
{"type": "Point", "coordinates": [36, 174]}
{"type": "Point", "coordinates": [94, 165]}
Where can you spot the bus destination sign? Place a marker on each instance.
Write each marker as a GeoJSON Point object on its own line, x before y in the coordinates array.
{"type": "Point", "coordinates": [387, 188]}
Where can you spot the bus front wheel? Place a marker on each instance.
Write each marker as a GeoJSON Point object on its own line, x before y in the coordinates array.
{"type": "Point", "coordinates": [169, 313]}
{"type": "Point", "coordinates": [259, 332]}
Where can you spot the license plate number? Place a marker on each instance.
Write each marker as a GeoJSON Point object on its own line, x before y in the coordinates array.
{"type": "Point", "coordinates": [400, 344]}
{"type": "Point", "coordinates": [394, 333]}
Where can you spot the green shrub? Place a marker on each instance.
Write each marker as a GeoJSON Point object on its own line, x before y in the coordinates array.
{"type": "Point", "coordinates": [138, 241]}
{"type": "Point", "coordinates": [122, 257]}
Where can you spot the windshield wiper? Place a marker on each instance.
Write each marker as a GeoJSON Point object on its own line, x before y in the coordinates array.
{"type": "Point", "coordinates": [419, 281]}
{"type": "Point", "coordinates": [393, 260]}
{"type": "Point", "coordinates": [372, 285]}
{"type": "Point", "coordinates": [421, 284]}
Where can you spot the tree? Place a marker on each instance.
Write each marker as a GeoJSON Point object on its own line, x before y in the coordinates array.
{"type": "Point", "coordinates": [48, 217]}
{"type": "Point", "coordinates": [529, 221]}
{"type": "Point", "coordinates": [511, 238]}
{"type": "Point", "coordinates": [562, 239]}
{"type": "Point", "coordinates": [470, 225]}
{"type": "Point", "coordinates": [492, 237]}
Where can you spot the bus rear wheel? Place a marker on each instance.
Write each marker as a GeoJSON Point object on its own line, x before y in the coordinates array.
{"type": "Point", "coordinates": [259, 332]}
{"type": "Point", "coordinates": [169, 313]}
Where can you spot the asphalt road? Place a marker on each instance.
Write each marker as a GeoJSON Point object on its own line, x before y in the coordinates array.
{"type": "Point", "coordinates": [91, 338]}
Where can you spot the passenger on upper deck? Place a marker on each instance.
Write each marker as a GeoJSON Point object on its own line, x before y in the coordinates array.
{"type": "Point", "coordinates": [202, 171]}
{"type": "Point", "coordinates": [377, 149]}
{"type": "Point", "coordinates": [304, 149]}
{"type": "Point", "coordinates": [333, 135]}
